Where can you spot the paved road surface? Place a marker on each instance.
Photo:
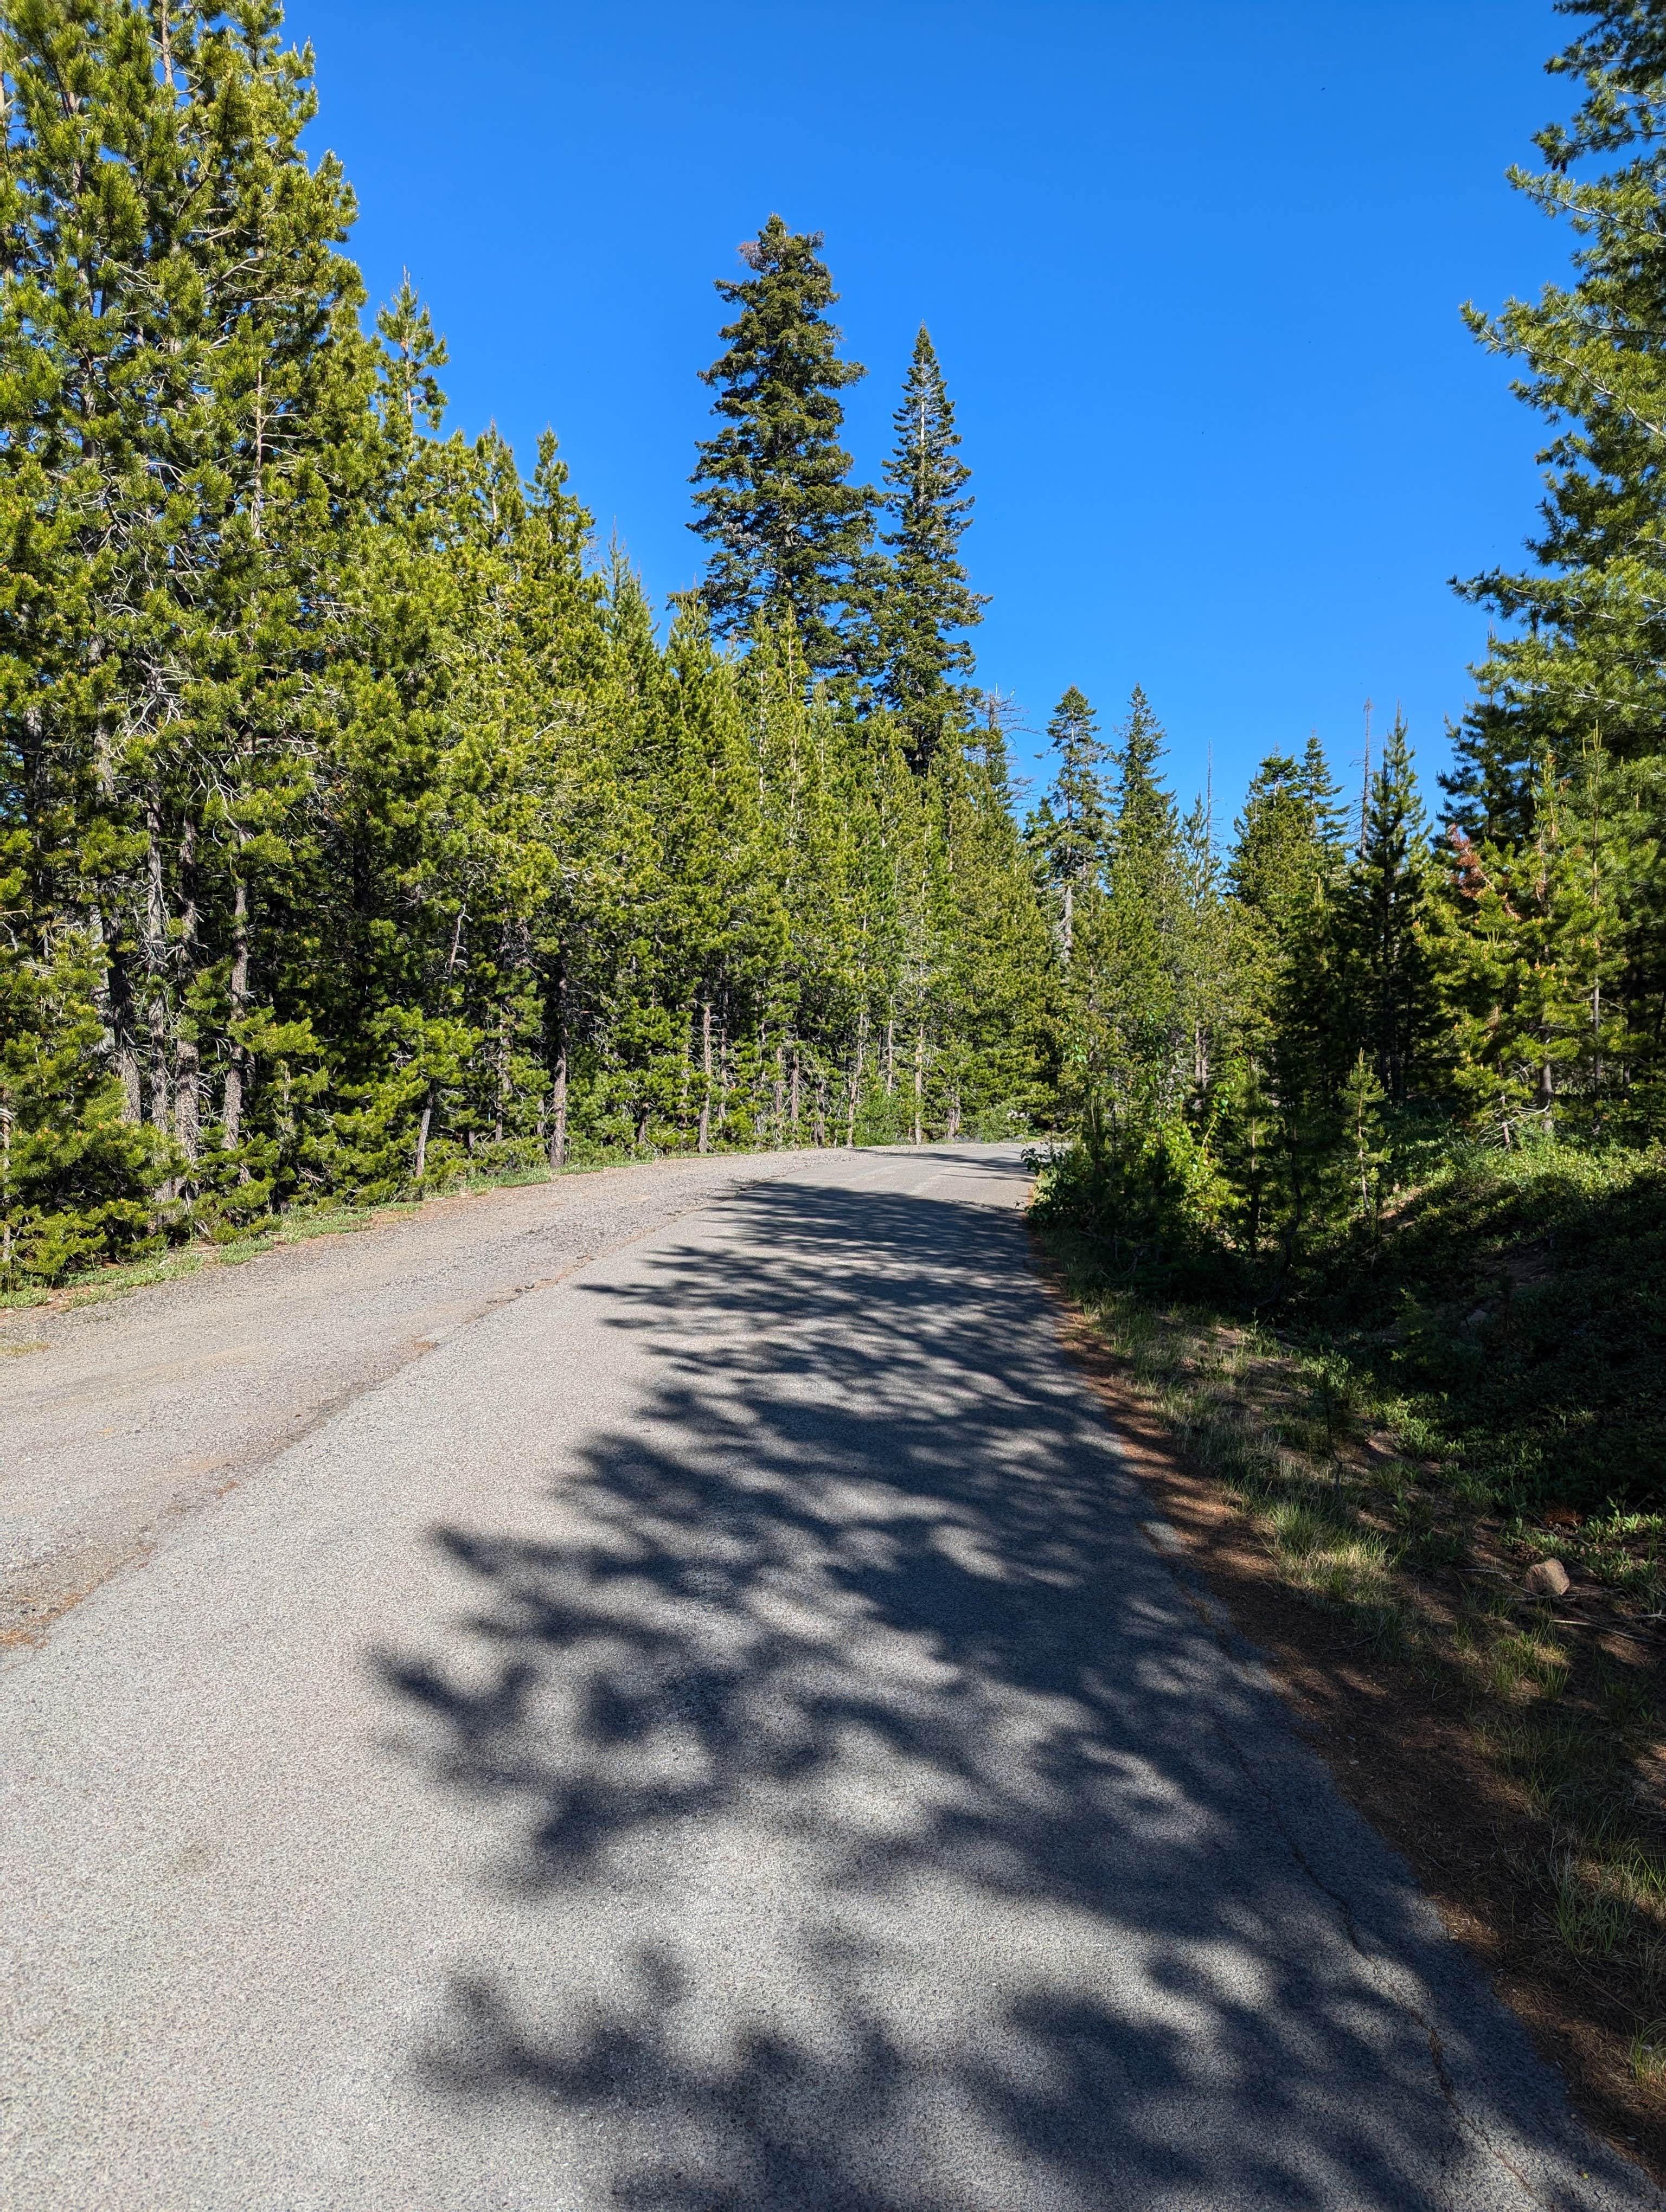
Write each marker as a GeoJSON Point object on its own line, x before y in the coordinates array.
{"type": "Point", "coordinates": [709, 1731]}
{"type": "Point", "coordinates": [122, 1418]}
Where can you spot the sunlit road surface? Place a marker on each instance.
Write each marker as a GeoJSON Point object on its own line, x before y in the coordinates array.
{"type": "Point", "coordinates": [714, 1731]}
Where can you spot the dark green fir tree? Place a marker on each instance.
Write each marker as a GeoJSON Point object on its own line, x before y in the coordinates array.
{"type": "Point", "coordinates": [926, 602]}
{"type": "Point", "coordinates": [1146, 821]}
{"type": "Point", "coordinates": [1384, 924]}
{"type": "Point", "coordinates": [1069, 830]}
{"type": "Point", "coordinates": [789, 534]}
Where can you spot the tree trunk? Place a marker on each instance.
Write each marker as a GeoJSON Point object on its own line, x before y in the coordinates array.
{"type": "Point", "coordinates": [187, 1125]}
{"type": "Point", "coordinates": [919, 1084]}
{"type": "Point", "coordinates": [231, 1129]}
{"type": "Point", "coordinates": [115, 1001]}
{"type": "Point", "coordinates": [286, 1112]}
{"type": "Point", "coordinates": [891, 1051]}
{"type": "Point", "coordinates": [781, 1093]}
{"type": "Point", "coordinates": [155, 957]}
{"type": "Point", "coordinates": [422, 1127]}
{"type": "Point", "coordinates": [502, 1073]}
{"type": "Point", "coordinates": [558, 1126]}
{"type": "Point", "coordinates": [795, 1094]}
{"type": "Point", "coordinates": [703, 1144]}
{"type": "Point", "coordinates": [187, 1060]}
{"type": "Point", "coordinates": [855, 1079]}
{"type": "Point", "coordinates": [5, 1190]}
{"type": "Point", "coordinates": [432, 1098]}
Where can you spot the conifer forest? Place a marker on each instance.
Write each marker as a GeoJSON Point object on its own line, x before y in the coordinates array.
{"type": "Point", "coordinates": [363, 827]}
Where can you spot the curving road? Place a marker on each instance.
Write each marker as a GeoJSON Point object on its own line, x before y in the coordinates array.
{"type": "Point", "coordinates": [699, 1726]}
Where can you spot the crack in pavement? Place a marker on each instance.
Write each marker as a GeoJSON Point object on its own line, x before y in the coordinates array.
{"type": "Point", "coordinates": [1382, 1969]}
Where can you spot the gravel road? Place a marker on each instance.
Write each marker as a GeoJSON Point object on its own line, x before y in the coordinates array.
{"type": "Point", "coordinates": [657, 1692]}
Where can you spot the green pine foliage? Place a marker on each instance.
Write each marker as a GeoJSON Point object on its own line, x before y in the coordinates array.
{"type": "Point", "coordinates": [790, 535]}
{"type": "Point", "coordinates": [926, 602]}
{"type": "Point", "coordinates": [1068, 833]}
{"type": "Point", "coordinates": [1561, 764]}
{"type": "Point", "coordinates": [358, 831]}
{"type": "Point", "coordinates": [1383, 927]}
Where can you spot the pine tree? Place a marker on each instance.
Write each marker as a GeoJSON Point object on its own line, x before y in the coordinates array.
{"type": "Point", "coordinates": [1145, 823]}
{"type": "Point", "coordinates": [924, 598]}
{"type": "Point", "coordinates": [178, 357]}
{"type": "Point", "coordinates": [1533, 955]}
{"type": "Point", "coordinates": [1322, 797]}
{"type": "Point", "coordinates": [1145, 1010]}
{"type": "Point", "coordinates": [993, 972]}
{"type": "Point", "coordinates": [75, 1176]}
{"type": "Point", "coordinates": [1579, 674]}
{"type": "Point", "coordinates": [1282, 1130]}
{"type": "Point", "coordinates": [1273, 857]}
{"type": "Point", "coordinates": [1383, 925]}
{"type": "Point", "coordinates": [1588, 635]}
{"type": "Point", "coordinates": [1132, 942]}
{"type": "Point", "coordinates": [1069, 831]}
{"type": "Point", "coordinates": [1488, 789]}
{"type": "Point", "coordinates": [788, 534]}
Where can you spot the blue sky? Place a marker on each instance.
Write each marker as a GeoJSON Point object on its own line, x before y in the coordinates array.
{"type": "Point", "coordinates": [1194, 272]}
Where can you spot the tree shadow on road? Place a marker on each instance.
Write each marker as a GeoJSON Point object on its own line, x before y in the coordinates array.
{"type": "Point", "coordinates": [887, 1828]}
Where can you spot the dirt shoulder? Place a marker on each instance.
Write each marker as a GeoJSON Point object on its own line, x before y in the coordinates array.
{"type": "Point", "coordinates": [1508, 1751]}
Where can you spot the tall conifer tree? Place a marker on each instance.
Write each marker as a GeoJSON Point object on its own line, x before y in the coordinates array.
{"type": "Point", "coordinates": [1144, 813]}
{"type": "Point", "coordinates": [788, 534]}
{"type": "Point", "coordinates": [924, 599]}
{"type": "Point", "coordinates": [1533, 961]}
{"type": "Point", "coordinates": [1134, 944]}
{"type": "Point", "coordinates": [1587, 633]}
{"type": "Point", "coordinates": [1069, 830]}
{"type": "Point", "coordinates": [1384, 924]}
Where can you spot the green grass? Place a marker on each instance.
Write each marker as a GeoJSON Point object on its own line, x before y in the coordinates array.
{"type": "Point", "coordinates": [1648, 2054]}
{"type": "Point", "coordinates": [1404, 1493]}
{"type": "Point", "coordinates": [132, 1275]}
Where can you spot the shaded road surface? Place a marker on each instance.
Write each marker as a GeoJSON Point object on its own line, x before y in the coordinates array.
{"type": "Point", "coordinates": [714, 1732]}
